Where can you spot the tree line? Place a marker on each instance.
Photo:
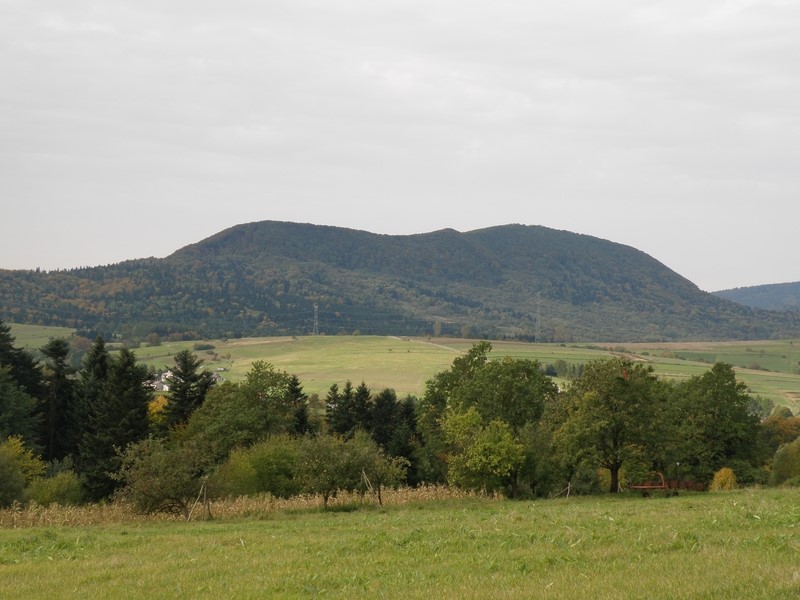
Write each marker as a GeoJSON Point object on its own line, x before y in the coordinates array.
{"type": "Point", "coordinates": [513, 282]}
{"type": "Point", "coordinates": [497, 425]}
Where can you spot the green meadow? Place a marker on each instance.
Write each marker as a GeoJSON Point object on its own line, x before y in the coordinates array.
{"type": "Point", "coordinates": [770, 368]}
{"type": "Point", "coordinates": [727, 545]}
{"type": "Point", "coordinates": [736, 545]}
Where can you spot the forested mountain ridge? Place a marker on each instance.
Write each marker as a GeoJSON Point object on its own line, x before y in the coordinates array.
{"type": "Point", "coordinates": [265, 278]}
{"type": "Point", "coordinates": [773, 296]}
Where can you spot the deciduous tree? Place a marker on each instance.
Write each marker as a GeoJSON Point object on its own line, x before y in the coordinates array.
{"type": "Point", "coordinates": [613, 416]}
{"type": "Point", "coordinates": [238, 415]}
{"type": "Point", "coordinates": [716, 427]}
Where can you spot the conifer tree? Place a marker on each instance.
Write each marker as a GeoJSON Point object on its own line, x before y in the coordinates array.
{"type": "Point", "coordinates": [189, 385]}
{"type": "Point", "coordinates": [383, 418]}
{"type": "Point", "coordinates": [58, 437]}
{"type": "Point", "coordinates": [117, 419]}
{"type": "Point", "coordinates": [341, 413]}
{"type": "Point", "coordinates": [299, 400]}
{"type": "Point", "coordinates": [18, 415]}
{"type": "Point", "coordinates": [362, 409]}
{"type": "Point", "coordinates": [23, 368]}
{"type": "Point", "coordinates": [92, 380]}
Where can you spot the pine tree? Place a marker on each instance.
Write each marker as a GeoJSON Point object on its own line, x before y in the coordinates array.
{"type": "Point", "coordinates": [360, 409]}
{"type": "Point", "coordinates": [117, 419]}
{"type": "Point", "coordinates": [58, 435]}
{"type": "Point", "coordinates": [189, 385]}
{"type": "Point", "coordinates": [23, 368]}
{"type": "Point", "coordinates": [18, 415]}
{"type": "Point", "coordinates": [92, 380]}
{"type": "Point", "coordinates": [332, 400]}
{"type": "Point", "coordinates": [340, 413]}
{"type": "Point", "coordinates": [384, 418]}
{"type": "Point", "coordinates": [299, 400]}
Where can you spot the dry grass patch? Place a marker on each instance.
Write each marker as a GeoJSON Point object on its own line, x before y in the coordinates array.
{"type": "Point", "coordinates": [260, 506]}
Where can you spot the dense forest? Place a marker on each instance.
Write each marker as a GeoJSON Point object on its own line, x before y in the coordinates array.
{"type": "Point", "coordinates": [497, 425]}
{"type": "Point", "coordinates": [775, 296]}
{"type": "Point", "coordinates": [273, 278]}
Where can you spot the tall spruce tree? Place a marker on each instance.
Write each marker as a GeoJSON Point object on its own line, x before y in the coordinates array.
{"type": "Point", "coordinates": [92, 381]}
{"type": "Point", "coordinates": [362, 408]}
{"type": "Point", "coordinates": [332, 400]}
{"type": "Point", "coordinates": [119, 417]}
{"type": "Point", "coordinates": [20, 387]}
{"type": "Point", "coordinates": [188, 387]}
{"type": "Point", "coordinates": [18, 413]}
{"type": "Point", "coordinates": [339, 413]}
{"type": "Point", "coordinates": [59, 437]}
{"type": "Point", "coordinates": [385, 411]}
{"type": "Point", "coordinates": [23, 368]}
{"type": "Point", "coordinates": [299, 400]}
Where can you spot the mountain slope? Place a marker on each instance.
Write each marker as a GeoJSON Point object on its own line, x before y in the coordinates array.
{"type": "Point", "coordinates": [775, 296]}
{"type": "Point", "coordinates": [510, 281]}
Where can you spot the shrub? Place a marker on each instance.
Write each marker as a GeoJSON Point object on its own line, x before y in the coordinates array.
{"type": "Point", "coordinates": [724, 480]}
{"type": "Point", "coordinates": [13, 481]}
{"type": "Point", "coordinates": [235, 477]}
{"type": "Point", "coordinates": [275, 465]}
{"type": "Point", "coordinates": [18, 466]}
{"type": "Point", "coordinates": [161, 478]}
{"type": "Point", "coordinates": [585, 480]}
{"type": "Point", "coordinates": [268, 466]}
{"type": "Point", "coordinates": [327, 464]}
{"type": "Point", "coordinates": [786, 464]}
{"type": "Point", "coordinates": [64, 488]}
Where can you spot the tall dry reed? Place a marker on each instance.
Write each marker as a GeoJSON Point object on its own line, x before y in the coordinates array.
{"type": "Point", "coordinates": [33, 515]}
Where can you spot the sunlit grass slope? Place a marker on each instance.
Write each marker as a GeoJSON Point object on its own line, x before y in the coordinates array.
{"type": "Point", "coordinates": [734, 545]}
{"type": "Point", "coordinates": [405, 364]}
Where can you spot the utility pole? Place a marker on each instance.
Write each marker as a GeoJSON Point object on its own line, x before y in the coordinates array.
{"type": "Point", "coordinates": [316, 319]}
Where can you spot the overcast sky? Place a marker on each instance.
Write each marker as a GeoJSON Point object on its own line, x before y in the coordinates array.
{"type": "Point", "coordinates": [132, 128]}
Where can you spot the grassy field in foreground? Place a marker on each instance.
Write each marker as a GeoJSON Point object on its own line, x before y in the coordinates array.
{"type": "Point", "coordinates": [405, 364]}
{"type": "Point", "coordinates": [743, 544]}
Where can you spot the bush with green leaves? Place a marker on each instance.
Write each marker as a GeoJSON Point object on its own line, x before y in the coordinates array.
{"type": "Point", "coordinates": [238, 415]}
{"type": "Point", "coordinates": [267, 467]}
{"type": "Point", "coordinates": [13, 485]}
{"type": "Point", "coordinates": [585, 480]}
{"type": "Point", "coordinates": [328, 464]}
{"type": "Point", "coordinates": [18, 467]}
{"type": "Point", "coordinates": [235, 477]}
{"type": "Point", "coordinates": [786, 464]}
{"type": "Point", "coordinates": [63, 488]}
{"type": "Point", "coordinates": [159, 477]}
{"type": "Point", "coordinates": [482, 456]}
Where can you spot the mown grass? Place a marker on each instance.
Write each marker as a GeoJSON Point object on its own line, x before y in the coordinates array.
{"type": "Point", "coordinates": [405, 364]}
{"type": "Point", "coordinates": [33, 337]}
{"type": "Point", "coordinates": [743, 544]}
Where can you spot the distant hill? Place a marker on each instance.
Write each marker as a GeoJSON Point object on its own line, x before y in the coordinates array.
{"type": "Point", "coordinates": [266, 278]}
{"type": "Point", "coordinates": [775, 296]}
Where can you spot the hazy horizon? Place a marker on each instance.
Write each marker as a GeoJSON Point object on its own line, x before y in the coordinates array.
{"type": "Point", "coordinates": [132, 129]}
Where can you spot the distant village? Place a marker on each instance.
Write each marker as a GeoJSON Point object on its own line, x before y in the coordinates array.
{"type": "Point", "coordinates": [161, 381]}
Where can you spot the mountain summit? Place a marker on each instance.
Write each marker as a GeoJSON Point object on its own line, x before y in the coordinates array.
{"type": "Point", "coordinates": [268, 278]}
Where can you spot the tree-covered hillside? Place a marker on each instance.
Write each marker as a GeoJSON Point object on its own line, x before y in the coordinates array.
{"type": "Point", "coordinates": [511, 281]}
{"type": "Point", "coordinates": [775, 296]}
